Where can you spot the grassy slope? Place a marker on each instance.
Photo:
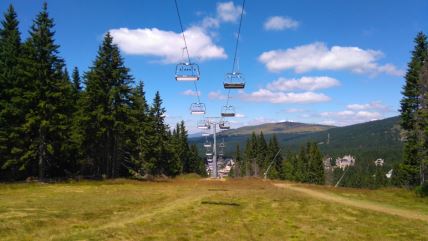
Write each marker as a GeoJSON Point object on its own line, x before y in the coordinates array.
{"type": "Point", "coordinates": [199, 210]}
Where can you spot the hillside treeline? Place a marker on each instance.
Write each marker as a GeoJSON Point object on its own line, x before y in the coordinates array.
{"type": "Point", "coordinates": [95, 124]}
{"type": "Point", "coordinates": [263, 158]}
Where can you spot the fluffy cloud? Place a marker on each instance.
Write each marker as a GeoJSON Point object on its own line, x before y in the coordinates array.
{"type": "Point", "coordinates": [239, 115]}
{"type": "Point", "coordinates": [304, 83]}
{"type": "Point", "coordinates": [167, 45]}
{"type": "Point", "coordinates": [318, 56]}
{"type": "Point", "coordinates": [294, 110]}
{"type": "Point", "coordinates": [375, 105]}
{"type": "Point", "coordinates": [265, 95]}
{"type": "Point", "coordinates": [349, 117]}
{"type": "Point", "coordinates": [191, 93]}
{"type": "Point", "coordinates": [216, 95]}
{"type": "Point", "coordinates": [228, 12]}
{"type": "Point", "coordinates": [280, 23]}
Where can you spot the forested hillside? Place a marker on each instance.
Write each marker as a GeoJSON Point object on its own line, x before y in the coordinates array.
{"type": "Point", "coordinates": [96, 124]}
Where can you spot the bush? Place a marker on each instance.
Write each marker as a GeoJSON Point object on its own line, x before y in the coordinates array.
{"type": "Point", "coordinates": [422, 190]}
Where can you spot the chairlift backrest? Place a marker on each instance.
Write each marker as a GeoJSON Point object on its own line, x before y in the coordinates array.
{"type": "Point", "coordinates": [203, 124]}
{"type": "Point", "coordinates": [187, 72]}
{"type": "Point", "coordinates": [224, 125]}
{"type": "Point", "coordinates": [234, 80]}
{"type": "Point", "coordinates": [197, 108]}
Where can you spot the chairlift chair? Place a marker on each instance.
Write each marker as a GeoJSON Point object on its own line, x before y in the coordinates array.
{"type": "Point", "coordinates": [203, 124]}
{"type": "Point", "coordinates": [228, 111]}
{"type": "Point", "coordinates": [197, 108]}
{"type": "Point", "coordinates": [224, 125]}
{"type": "Point", "coordinates": [187, 72]}
{"type": "Point", "coordinates": [207, 144]}
{"type": "Point", "coordinates": [234, 80]}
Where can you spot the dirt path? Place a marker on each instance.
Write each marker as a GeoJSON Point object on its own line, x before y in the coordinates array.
{"type": "Point", "coordinates": [405, 213]}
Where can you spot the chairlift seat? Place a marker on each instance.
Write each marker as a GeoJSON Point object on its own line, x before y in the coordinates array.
{"type": "Point", "coordinates": [240, 85]}
{"type": "Point", "coordinates": [187, 72]}
{"type": "Point", "coordinates": [228, 111]}
{"type": "Point", "coordinates": [234, 80]}
{"type": "Point", "coordinates": [197, 108]}
{"type": "Point", "coordinates": [224, 125]}
{"type": "Point", "coordinates": [204, 125]}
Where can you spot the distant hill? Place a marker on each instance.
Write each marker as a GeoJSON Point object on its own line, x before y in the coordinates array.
{"type": "Point", "coordinates": [277, 128]}
{"type": "Point", "coordinates": [374, 139]}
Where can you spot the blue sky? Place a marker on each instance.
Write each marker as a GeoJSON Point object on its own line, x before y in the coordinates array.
{"type": "Point", "coordinates": [332, 62]}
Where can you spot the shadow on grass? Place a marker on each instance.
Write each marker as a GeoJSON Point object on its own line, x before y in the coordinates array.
{"type": "Point", "coordinates": [221, 203]}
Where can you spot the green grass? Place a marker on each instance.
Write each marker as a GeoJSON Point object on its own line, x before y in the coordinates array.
{"type": "Point", "coordinates": [196, 209]}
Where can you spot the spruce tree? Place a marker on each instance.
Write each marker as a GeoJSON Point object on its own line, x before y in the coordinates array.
{"type": "Point", "coordinates": [183, 150]}
{"type": "Point", "coordinates": [261, 152]}
{"type": "Point", "coordinates": [276, 170]}
{"type": "Point", "coordinates": [138, 129]}
{"type": "Point", "coordinates": [48, 121]}
{"type": "Point", "coordinates": [106, 104]}
{"type": "Point", "coordinates": [315, 163]}
{"type": "Point", "coordinates": [12, 100]}
{"type": "Point", "coordinates": [409, 171]}
{"type": "Point", "coordinates": [423, 121]}
{"type": "Point", "coordinates": [238, 162]}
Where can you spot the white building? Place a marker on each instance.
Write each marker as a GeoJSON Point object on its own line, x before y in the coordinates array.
{"type": "Point", "coordinates": [379, 162]}
{"type": "Point", "coordinates": [345, 161]}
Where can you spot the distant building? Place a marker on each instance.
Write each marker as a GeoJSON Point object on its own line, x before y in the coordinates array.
{"type": "Point", "coordinates": [345, 161]}
{"type": "Point", "coordinates": [389, 174]}
{"type": "Point", "coordinates": [379, 162]}
{"type": "Point", "coordinates": [224, 169]}
{"type": "Point", "coordinates": [327, 163]}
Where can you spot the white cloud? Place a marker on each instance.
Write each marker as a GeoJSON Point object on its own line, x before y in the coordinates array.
{"type": "Point", "coordinates": [368, 115]}
{"type": "Point", "coordinates": [294, 110]}
{"type": "Point", "coordinates": [375, 105]}
{"type": "Point", "coordinates": [228, 12]}
{"type": "Point", "coordinates": [216, 95]}
{"type": "Point", "coordinates": [304, 83]}
{"type": "Point", "coordinates": [348, 117]}
{"type": "Point", "coordinates": [317, 56]}
{"type": "Point", "coordinates": [191, 93]}
{"type": "Point", "coordinates": [265, 95]}
{"type": "Point", "coordinates": [239, 115]}
{"type": "Point", "coordinates": [280, 23]}
{"type": "Point", "coordinates": [167, 45]}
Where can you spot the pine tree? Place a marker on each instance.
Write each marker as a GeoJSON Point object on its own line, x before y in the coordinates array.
{"type": "Point", "coordinates": [197, 162]}
{"type": "Point", "coordinates": [273, 154]}
{"type": "Point", "coordinates": [409, 171]}
{"type": "Point", "coordinates": [315, 163]}
{"type": "Point", "coordinates": [246, 166]}
{"type": "Point", "coordinates": [12, 101]}
{"type": "Point", "coordinates": [183, 150]}
{"type": "Point", "coordinates": [423, 121]}
{"type": "Point", "coordinates": [48, 121]}
{"type": "Point", "coordinates": [106, 104]}
{"type": "Point", "coordinates": [238, 162]}
{"type": "Point", "coordinates": [138, 130]}
{"type": "Point", "coordinates": [261, 152]}
{"type": "Point", "coordinates": [76, 84]}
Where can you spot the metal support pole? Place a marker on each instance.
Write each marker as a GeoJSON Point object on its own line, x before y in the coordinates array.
{"type": "Point", "coordinates": [215, 172]}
